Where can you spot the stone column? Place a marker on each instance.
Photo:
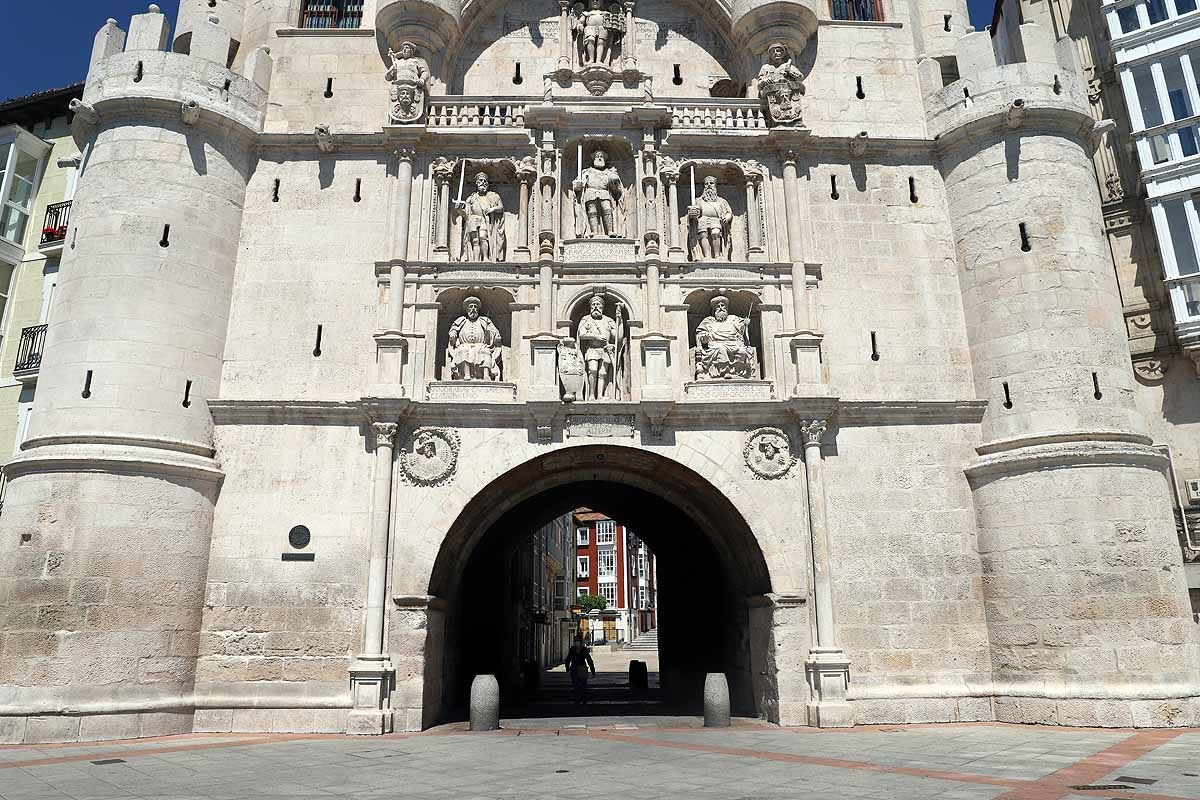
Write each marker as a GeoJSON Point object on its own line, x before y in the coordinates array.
{"type": "Point", "coordinates": [827, 667]}
{"type": "Point", "coordinates": [396, 298]}
{"type": "Point", "coordinates": [629, 42]}
{"type": "Point", "coordinates": [404, 181]}
{"type": "Point", "coordinates": [671, 228]}
{"type": "Point", "coordinates": [791, 192]}
{"type": "Point", "coordinates": [753, 212]}
{"type": "Point", "coordinates": [564, 37]}
{"type": "Point", "coordinates": [371, 672]}
{"type": "Point", "coordinates": [442, 222]}
{"type": "Point", "coordinates": [523, 213]}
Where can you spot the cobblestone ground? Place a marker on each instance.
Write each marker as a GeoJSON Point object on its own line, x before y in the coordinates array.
{"type": "Point", "coordinates": [626, 758]}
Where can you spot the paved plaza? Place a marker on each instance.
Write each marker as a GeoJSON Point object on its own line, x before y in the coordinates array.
{"type": "Point", "coordinates": [627, 758]}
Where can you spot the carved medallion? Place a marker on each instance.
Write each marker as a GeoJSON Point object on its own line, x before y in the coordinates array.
{"type": "Point", "coordinates": [431, 456]}
{"type": "Point", "coordinates": [768, 453]}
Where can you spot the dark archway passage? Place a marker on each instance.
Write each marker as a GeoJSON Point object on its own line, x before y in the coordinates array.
{"type": "Point", "coordinates": [711, 576]}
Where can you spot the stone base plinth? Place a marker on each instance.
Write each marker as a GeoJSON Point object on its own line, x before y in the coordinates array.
{"type": "Point", "coordinates": [828, 672]}
{"type": "Point", "coordinates": [732, 390]}
{"type": "Point", "coordinates": [599, 249]}
{"type": "Point", "coordinates": [471, 392]}
{"type": "Point", "coordinates": [370, 691]}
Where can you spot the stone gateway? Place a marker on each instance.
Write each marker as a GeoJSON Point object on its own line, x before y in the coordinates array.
{"type": "Point", "coordinates": [867, 390]}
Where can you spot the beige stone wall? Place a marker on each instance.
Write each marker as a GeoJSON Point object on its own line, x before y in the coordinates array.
{"type": "Point", "coordinates": [908, 598]}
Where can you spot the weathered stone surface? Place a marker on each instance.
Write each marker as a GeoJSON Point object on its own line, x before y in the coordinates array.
{"type": "Point", "coordinates": [716, 700]}
{"type": "Point", "coordinates": [485, 703]}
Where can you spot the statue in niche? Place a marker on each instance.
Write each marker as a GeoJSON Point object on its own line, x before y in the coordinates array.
{"type": "Point", "coordinates": [723, 345]}
{"type": "Point", "coordinates": [596, 30]}
{"type": "Point", "coordinates": [713, 219]}
{"type": "Point", "coordinates": [473, 347]}
{"type": "Point", "coordinates": [599, 199]}
{"type": "Point", "coordinates": [483, 228]}
{"type": "Point", "coordinates": [409, 75]}
{"type": "Point", "coordinates": [781, 84]}
{"type": "Point", "coordinates": [601, 339]}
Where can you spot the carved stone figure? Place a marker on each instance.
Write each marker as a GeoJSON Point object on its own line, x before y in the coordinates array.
{"type": "Point", "coordinates": [409, 75]}
{"type": "Point", "coordinates": [483, 228]}
{"type": "Point", "coordinates": [473, 348]}
{"type": "Point", "coordinates": [723, 344]}
{"type": "Point", "coordinates": [596, 30]}
{"type": "Point", "coordinates": [571, 370]}
{"type": "Point", "coordinates": [431, 456]}
{"type": "Point", "coordinates": [600, 339]}
{"type": "Point", "coordinates": [768, 453]}
{"type": "Point", "coordinates": [781, 84]}
{"type": "Point", "coordinates": [599, 199]}
{"type": "Point", "coordinates": [712, 218]}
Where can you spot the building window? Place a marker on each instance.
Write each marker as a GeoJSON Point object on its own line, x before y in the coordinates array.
{"type": "Point", "coordinates": [1178, 228]}
{"type": "Point", "coordinates": [860, 10]}
{"type": "Point", "coordinates": [606, 532]}
{"type": "Point", "coordinates": [606, 564]}
{"type": "Point", "coordinates": [642, 561]}
{"type": "Point", "coordinates": [642, 597]}
{"type": "Point", "coordinates": [19, 170]}
{"type": "Point", "coordinates": [609, 592]}
{"type": "Point", "coordinates": [581, 537]}
{"type": "Point", "coordinates": [331, 13]}
{"type": "Point", "coordinates": [581, 591]}
{"type": "Point", "coordinates": [560, 591]}
{"type": "Point", "coordinates": [583, 565]}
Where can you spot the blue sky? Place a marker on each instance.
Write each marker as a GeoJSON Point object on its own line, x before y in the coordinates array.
{"type": "Point", "coordinates": [45, 45]}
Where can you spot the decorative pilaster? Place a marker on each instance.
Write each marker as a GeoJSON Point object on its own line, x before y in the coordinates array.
{"type": "Point", "coordinates": [827, 667]}
{"type": "Point", "coordinates": [791, 194]}
{"type": "Point", "coordinates": [371, 673]}
{"type": "Point", "coordinates": [754, 212]}
{"type": "Point", "coordinates": [526, 175]}
{"type": "Point", "coordinates": [442, 176]}
{"type": "Point", "coordinates": [629, 60]}
{"type": "Point", "coordinates": [564, 38]}
{"type": "Point", "coordinates": [671, 227]}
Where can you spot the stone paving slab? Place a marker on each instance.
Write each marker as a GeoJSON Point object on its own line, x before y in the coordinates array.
{"type": "Point", "coordinates": [652, 762]}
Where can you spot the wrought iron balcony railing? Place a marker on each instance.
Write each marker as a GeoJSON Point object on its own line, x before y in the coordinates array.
{"type": "Point", "coordinates": [54, 229]}
{"type": "Point", "coordinates": [331, 14]}
{"type": "Point", "coordinates": [29, 352]}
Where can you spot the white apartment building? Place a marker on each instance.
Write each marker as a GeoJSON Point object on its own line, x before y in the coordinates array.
{"type": "Point", "coordinates": [1156, 48]}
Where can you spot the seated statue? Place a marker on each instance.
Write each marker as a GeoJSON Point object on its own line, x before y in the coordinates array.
{"type": "Point", "coordinates": [723, 345]}
{"type": "Point", "coordinates": [473, 349]}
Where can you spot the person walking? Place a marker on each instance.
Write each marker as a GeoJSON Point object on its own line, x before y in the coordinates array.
{"type": "Point", "coordinates": [579, 661]}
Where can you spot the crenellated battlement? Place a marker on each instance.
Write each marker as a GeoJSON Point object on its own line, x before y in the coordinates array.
{"type": "Point", "coordinates": [1026, 77]}
{"type": "Point", "coordinates": [136, 69]}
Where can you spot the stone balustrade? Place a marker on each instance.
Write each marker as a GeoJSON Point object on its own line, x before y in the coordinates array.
{"type": "Point", "coordinates": [475, 112]}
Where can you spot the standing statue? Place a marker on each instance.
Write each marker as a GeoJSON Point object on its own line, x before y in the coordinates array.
{"type": "Point", "coordinates": [713, 218]}
{"type": "Point", "coordinates": [723, 345]}
{"type": "Point", "coordinates": [483, 228]}
{"type": "Point", "coordinates": [409, 75]}
{"type": "Point", "coordinates": [781, 84]}
{"type": "Point", "coordinates": [599, 199]}
{"type": "Point", "coordinates": [600, 339]}
{"type": "Point", "coordinates": [473, 347]}
{"type": "Point", "coordinates": [596, 30]}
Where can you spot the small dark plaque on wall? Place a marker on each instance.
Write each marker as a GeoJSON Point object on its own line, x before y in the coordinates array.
{"type": "Point", "coordinates": [299, 537]}
{"type": "Point", "coordinates": [299, 556]}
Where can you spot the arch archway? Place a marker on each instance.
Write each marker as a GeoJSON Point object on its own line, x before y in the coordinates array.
{"type": "Point", "coordinates": [712, 575]}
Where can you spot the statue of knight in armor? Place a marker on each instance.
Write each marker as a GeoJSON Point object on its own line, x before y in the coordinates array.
{"type": "Point", "coordinates": [409, 75]}
{"type": "Point", "coordinates": [599, 199]}
{"type": "Point", "coordinates": [473, 346]}
{"type": "Point", "coordinates": [596, 30]}
{"type": "Point", "coordinates": [483, 228]}
{"type": "Point", "coordinates": [713, 218]}
{"type": "Point", "coordinates": [601, 339]}
{"type": "Point", "coordinates": [723, 345]}
{"type": "Point", "coordinates": [781, 84]}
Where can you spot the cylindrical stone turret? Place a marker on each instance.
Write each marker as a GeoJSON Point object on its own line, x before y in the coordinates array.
{"type": "Point", "coordinates": [1086, 603]}
{"type": "Point", "coordinates": [108, 514]}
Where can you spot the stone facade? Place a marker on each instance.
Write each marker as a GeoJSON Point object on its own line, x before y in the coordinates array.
{"type": "Point", "coordinates": [934, 497]}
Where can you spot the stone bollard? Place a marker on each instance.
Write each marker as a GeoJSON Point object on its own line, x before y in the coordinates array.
{"type": "Point", "coordinates": [638, 676]}
{"type": "Point", "coordinates": [485, 703]}
{"type": "Point", "coordinates": [716, 700]}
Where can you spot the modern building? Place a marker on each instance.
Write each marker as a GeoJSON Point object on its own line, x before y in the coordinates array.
{"type": "Point", "coordinates": [612, 562]}
{"type": "Point", "coordinates": [866, 389]}
{"type": "Point", "coordinates": [39, 162]}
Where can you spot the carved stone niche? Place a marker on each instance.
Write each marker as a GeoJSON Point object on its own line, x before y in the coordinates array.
{"type": "Point", "coordinates": [725, 346]}
{"type": "Point", "coordinates": [504, 176]}
{"type": "Point", "coordinates": [602, 345]}
{"type": "Point", "coordinates": [496, 305]}
{"type": "Point", "coordinates": [600, 220]}
{"type": "Point", "coordinates": [738, 187]}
